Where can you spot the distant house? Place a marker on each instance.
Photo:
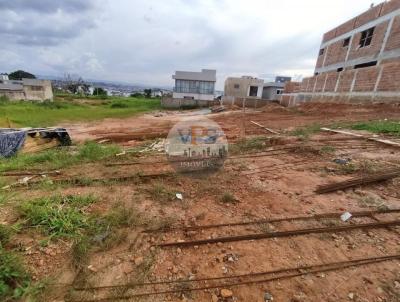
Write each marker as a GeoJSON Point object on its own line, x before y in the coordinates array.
{"type": "Point", "coordinates": [192, 89]}
{"type": "Point", "coordinates": [26, 89]}
{"type": "Point", "coordinates": [243, 87]}
{"type": "Point", "coordinates": [282, 79]}
{"type": "Point", "coordinates": [195, 85]}
{"type": "Point", "coordinates": [272, 90]}
{"type": "Point", "coordinates": [3, 77]}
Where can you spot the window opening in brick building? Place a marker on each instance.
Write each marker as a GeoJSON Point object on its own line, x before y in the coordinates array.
{"type": "Point", "coordinates": [340, 69]}
{"type": "Point", "coordinates": [363, 65]}
{"type": "Point", "coordinates": [321, 51]}
{"type": "Point", "coordinates": [366, 37]}
{"type": "Point", "coordinates": [346, 42]}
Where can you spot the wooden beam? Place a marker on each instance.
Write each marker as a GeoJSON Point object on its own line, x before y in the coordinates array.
{"type": "Point", "coordinates": [265, 128]}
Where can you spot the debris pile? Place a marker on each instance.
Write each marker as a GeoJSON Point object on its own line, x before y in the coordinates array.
{"type": "Point", "coordinates": [30, 140]}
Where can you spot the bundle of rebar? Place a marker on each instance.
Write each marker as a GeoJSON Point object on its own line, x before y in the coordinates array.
{"type": "Point", "coordinates": [357, 181]}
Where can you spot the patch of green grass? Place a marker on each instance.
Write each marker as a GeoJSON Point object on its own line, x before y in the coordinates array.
{"type": "Point", "coordinates": [34, 114]}
{"type": "Point", "coordinates": [248, 145]}
{"type": "Point", "coordinates": [59, 157]}
{"type": "Point", "coordinates": [58, 216]}
{"type": "Point", "coordinates": [327, 149]}
{"type": "Point", "coordinates": [162, 193]}
{"type": "Point", "coordinates": [305, 132]}
{"type": "Point", "coordinates": [80, 249]}
{"type": "Point", "coordinates": [14, 280]}
{"type": "Point", "coordinates": [386, 127]}
{"type": "Point", "coordinates": [5, 196]}
{"type": "Point", "coordinates": [104, 232]}
{"type": "Point", "coordinates": [5, 234]}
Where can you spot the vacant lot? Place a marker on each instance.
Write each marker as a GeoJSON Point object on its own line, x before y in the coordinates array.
{"type": "Point", "coordinates": [97, 229]}
{"type": "Point", "coordinates": [33, 114]}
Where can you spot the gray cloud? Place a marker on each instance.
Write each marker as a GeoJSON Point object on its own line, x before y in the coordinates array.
{"type": "Point", "coordinates": [45, 22]}
{"type": "Point", "coordinates": [46, 6]}
{"type": "Point", "coordinates": [145, 41]}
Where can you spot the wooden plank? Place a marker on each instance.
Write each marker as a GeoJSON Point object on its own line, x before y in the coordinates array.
{"type": "Point", "coordinates": [385, 141]}
{"type": "Point", "coordinates": [378, 140]}
{"type": "Point", "coordinates": [265, 128]}
{"type": "Point", "coordinates": [343, 132]}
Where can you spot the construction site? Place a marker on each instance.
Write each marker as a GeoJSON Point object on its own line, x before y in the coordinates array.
{"type": "Point", "coordinates": [298, 212]}
{"type": "Point", "coordinates": [304, 204]}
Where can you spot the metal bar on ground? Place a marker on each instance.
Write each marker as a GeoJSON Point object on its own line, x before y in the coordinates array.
{"type": "Point", "coordinates": [273, 220]}
{"type": "Point", "coordinates": [272, 276]}
{"type": "Point", "coordinates": [281, 234]}
{"type": "Point", "coordinates": [357, 181]}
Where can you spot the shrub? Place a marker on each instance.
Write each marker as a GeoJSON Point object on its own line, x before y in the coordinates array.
{"type": "Point", "coordinates": [119, 105]}
{"type": "Point", "coordinates": [228, 198]}
{"type": "Point", "coordinates": [3, 100]}
{"type": "Point", "coordinates": [14, 280]}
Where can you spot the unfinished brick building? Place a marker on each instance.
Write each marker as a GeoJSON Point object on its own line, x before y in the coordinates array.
{"type": "Point", "coordinates": [358, 60]}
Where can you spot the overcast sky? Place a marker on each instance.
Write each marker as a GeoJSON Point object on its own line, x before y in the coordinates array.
{"type": "Point", "coordinates": [145, 41]}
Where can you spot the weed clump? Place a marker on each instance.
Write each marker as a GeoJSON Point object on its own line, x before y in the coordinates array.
{"type": "Point", "coordinates": [14, 280]}
{"type": "Point", "coordinates": [57, 216]}
{"type": "Point", "coordinates": [5, 234]}
{"type": "Point", "coordinates": [228, 197]}
{"type": "Point", "coordinates": [161, 193]}
{"type": "Point", "coordinates": [305, 132]}
{"type": "Point", "coordinates": [248, 145]}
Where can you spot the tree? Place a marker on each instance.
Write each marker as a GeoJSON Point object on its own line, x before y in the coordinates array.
{"type": "Point", "coordinates": [75, 85]}
{"type": "Point", "coordinates": [99, 91]}
{"type": "Point", "coordinates": [136, 95]}
{"type": "Point", "coordinates": [20, 74]}
{"type": "Point", "coordinates": [147, 93]}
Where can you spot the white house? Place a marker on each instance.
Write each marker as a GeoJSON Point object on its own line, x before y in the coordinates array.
{"type": "Point", "coordinates": [3, 77]}
{"type": "Point", "coordinates": [199, 86]}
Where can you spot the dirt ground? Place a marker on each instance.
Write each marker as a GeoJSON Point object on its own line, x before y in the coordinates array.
{"type": "Point", "coordinates": [235, 123]}
{"type": "Point", "coordinates": [262, 184]}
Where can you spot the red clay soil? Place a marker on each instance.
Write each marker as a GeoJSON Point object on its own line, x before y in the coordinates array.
{"type": "Point", "coordinates": [268, 186]}
{"type": "Point", "coordinates": [235, 123]}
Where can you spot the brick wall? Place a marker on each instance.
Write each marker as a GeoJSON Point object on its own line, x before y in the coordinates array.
{"type": "Point", "coordinates": [345, 80]}
{"type": "Point", "coordinates": [366, 79]}
{"type": "Point", "coordinates": [390, 79]}
{"type": "Point", "coordinates": [358, 84]}
{"type": "Point", "coordinates": [346, 27]}
{"type": "Point", "coordinates": [292, 87]}
{"type": "Point", "coordinates": [394, 37]}
{"type": "Point", "coordinates": [390, 6]}
{"type": "Point", "coordinates": [304, 84]}
{"type": "Point", "coordinates": [336, 53]}
{"type": "Point", "coordinates": [376, 44]}
{"type": "Point", "coordinates": [371, 14]}
{"type": "Point", "coordinates": [320, 59]}
{"type": "Point", "coordinates": [331, 81]}
{"type": "Point", "coordinates": [319, 86]}
{"type": "Point", "coordinates": [311, 83]}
